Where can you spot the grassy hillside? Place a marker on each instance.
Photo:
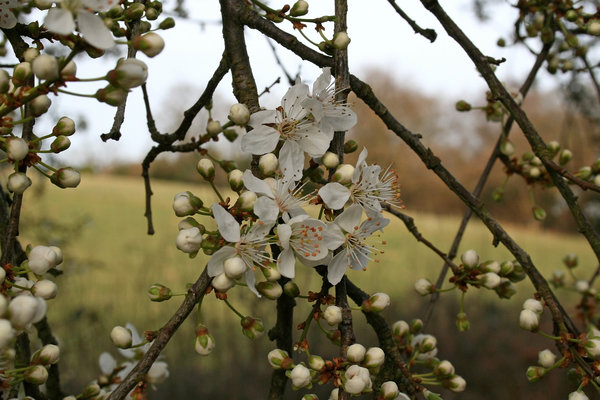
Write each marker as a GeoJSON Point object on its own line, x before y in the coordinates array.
{"type": "Point", "coordinates": [110, 262]}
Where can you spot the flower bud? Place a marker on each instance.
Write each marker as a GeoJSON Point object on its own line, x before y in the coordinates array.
{"type": "Point", "coordinates": [374, 357]}
{"type": "Point", "coordinates": [66, 178]}
{"type": "Point", "coordinates": [335, 336]}
{"type": "Point", "coordinates": [462, 106]}
{"type": "Point", "coordinates": [490, 280]}
{"type": "Point", "coordinates": [185, 203]}
{"type": "Point", "coordinates": [204, 343]}
{"type": "Point", "coordinates": [158, 293]}
{"type": "Point", "coordinates": [49, 354]}
{"type": "Point", "coordinates": [271, 273]}
{"type": "Point", "coordinates": [376, 303]}
{"type": "Point", "coordinates": [239, 114]}
{"type": "Point", "coordinates": [330, 160]}
{"type": "Point", "coordinates": [150, 44]}
{"type": "Point", "coordinates": [554, 147]}
{"type": "Point", "coordinates": [582, 286]}
{"type": "Point", "coordinates": [444, 368]}
{"type": "Point", "coordinates": [456, 384]}
{"type": "Point", "coordinates": [565, 156]}
{"type": "Point", "coordinates": [189, 240]}
{"type": "Point", "coordinates": [69, 70]}
{"type": "Point", "coordinates": [350, 146]}
{"type": "Point", "coordinates": [431, 396]}
{"type": "Point", "coordinates": [578, 395]}
{"type": "Point", "coordinates": [121, 337]}
{"type": "Point", "coordinates": [134, 11]}
{"type": "Point", "coordinates": [427, 343]}
{"type": "Point", "coordinates": [64, 127]}
{"type": "Point", "coordinates": [213, 128]}
{"type": "Point", "coordinates": [21, 73]}
{"type": "Point", "coordinates": [45, 67]}
{"type": "Point", "coordinates": [507, 148]}
{"type": "Point", "coordinates": [300, 376]}
{"type": "Point", "coordinates": [333, 315]}
{"type": "Point", "coordinates": [222, 282]}
{"type": "Point", "coordinates": [534, 305]}
{"type": "Point", "coordinates": [558, 278]}
{"type": "Point", "coordinates": [280, 359]}
{"type": "Point", "coordinates": [539, 213]}
{"type": "Point", "coordinates": [30, 54]}
{"type": "Point", "coordinates": [546, 358]}
{"type": "Point", "coordinates": [41, 259]}
{"type": "Point", "coordinates": [584, 173]}
{"type": "Point", "coordinates": [334, 394]}
{"type": "Point", "coordinates": [529, 320]}
{"type": "Point", "coordinates": [246, 201]}
{"type": "Point", "coordinates": [535, 373]}
{"type": "Point", "coordinates": [90, 390]}
{"type": "Point", "coordinates": [16, 148]}
{"type": "Point", "coordinates": [129, 73]}
{"type": "Point", "coordinates": [6, 332]}
{"type": "Point", "coordinates": [389, 390]}
{"type": "Point", "coordinates": [206, 169]}
{"type": "Point", "coordinates": [112, 95]}
{"type": "Point", "coordinates": [506, 268]}
{"type": "Point", "coordinates": [45, 289]}
{"type": "Point", "coordinates": [462, 322]}
{"type": "Point", "coordinates": [343, 174]}
{"type": "Point", "coordinates": [424, 287]}
{"type": "Point", "coordinates": [570, 260]}
{"type": "Point", "coordinates": [157, 373]}
{"type": "Point", "coordinates": [36, 374]}
{"type": "Point", "coordinates": [470, 259]}
{"type": "Point", "coordinates": [268, 164]}
{"type": "Point", "coordinates": [299, 8]}
{"type": "Point", "coordinates": [310, 396]}
{"type": "Point", "coordinates": [235, 180]}
{"type": "Point", "coordinates": [316, 362]}
{"type": "Point", "coordinates": [357, 378]}
{"type": "Point", "coordinates": [4, 81]}
{"type": "Point", "coordinates": [416, 325]}
{"type": "Point", "coordinates": [234, 267]}
{"type": "Point", "coordinates": [61, 143]}
{"type": "Point", "coordinates": [253, 328]}
{"type": "Point", "coordinates": [271, 290]}
{"type": "Point", "coordinates": [167, 23]}
{"type": "Point", "coordinates": [341, 41]}
{"type": "Point", "coordinates": [356, 353]}
{"type": "Point", "coordinates": [18, 182]}
{"type": "Point", "coordinates": [399, 329]}
{"type": "Point", "coordinates": [291, 289]}
{"type": "Point", "coordinates": [40, 104]}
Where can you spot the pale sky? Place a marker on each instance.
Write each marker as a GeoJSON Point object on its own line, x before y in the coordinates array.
{"type": "Point", "coordinates": [380, 39]}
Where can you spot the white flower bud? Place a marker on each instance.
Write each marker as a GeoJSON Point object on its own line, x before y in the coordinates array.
{"type": "Point", "coordinates": [582, 286]}
{"type": "Point", "coordinates": [239, 114]}
{"type": "Point", "coordinates": [271, 290]}
{"type": "Point", "coordinates": [69, 70]}
{"type": "Point", "coordinates": [246, 201]}
{"type": "Point", "coordinates": [546, 358]}
{"type": "Point", "coordinates": [66, 178]}
{"type": "Point", "coordinates": [204, 343]}
{"type": "Point", "coordinates": [16, 148]}
{"type": "Point", "coordinates": [492, 266]}
{"type": "Point", "coordinates": [400, 328]}
{"type": "Point", "coordinates": [374, 357]}
{"type": "Point", "coordinates": [234, 267]}
{"type": "Point", "coordinates": [22, 311]}
{"type": "Point", "coordinates": [158, 372]}
{"type": "Point", "coordinates": [185, 203]}
{"type": "Point", "coordinates": [213, 128]}
{"type": "Point", "coordinates": [592, 346]}
{"type": "Point", "coordinates": [316, 362]}
{"type": "Point", "coordinates": [222, 282]}
{"type": "Point", "coordinates": [40, 104]}
{"type": "Point", "coordinates": [578, 395]}
{"type": "Point", "coordinates": [129, 73]}
{"type": "Point", "coordinates": [529, 320]}
{"type": "Point", "coordinates": [49, 354]}
{"type": "Point", "coordinates": [234, 178]}
{"type": "Point", "coordinates": [30, 54]}
{"type": "Point", "coordinates": [279, 359]}
{"type": "Point", "coordinates": [61, 143]}
{"type": "Point", "coordinates": [206, 169]}
{"type": "Point", "coordinates": [299, 8]}
{"type": "Point", "coordinates": [533, 305]}
{"type": "Point", "coordinates": [18, 182]}
{"type": "Point", "coordinates": [268, 164]}
{"type": "Point", "coordinates": [593, 28]}
{"type": "Point", "coordinates": [45, 67]}
{"type": "Point", "coordinates": [64, 127]}
{"type": "Point", "coordinates": [21, 73]}
{"type": "Point", "coordinates": [36, 374]}
{"type": "Point", "coordinates": [444, 368]}
{"type": "Point", "coordinates": [189, 240]}
{"type": "Point", "coordinates": [356, 353]}
{"type": "Point", "coordinates": [389, 390]}
{"type": "Point", "coordinates": [300, 376]}
{"type": "Point", "coordinates": [470, 259]}
{"type": "Point", "coordinates": [334, 394]}
{"type": "Point", "coordinates": [121, 337]}
{"type": "Point", "coordinates": [341, 40]}
{"type": "Point", "coordinates": [376, 303]}
{"type": "Point", "coordinates": [424, 287]}
{"type": "Point", "coordinates": [150, 44]}
{"type": "Point", "coordinates": [59, 254]}
{"type": "Point", "coordinates": [357, 379]}
{"type": "Point", "coordinates": [4, 81]}
{"type": "Point", "coordinates": [330, 160]}
{"type": "Point", "coordinates": [333, 315]}
{"type": "Point", "coordinates": [41, 259]}
{"type": "Point", "coordinates": [45, 289]}
{"type": "Point", "coordinates": [6, 333]}
{"type": "Point", "coordinates": [490, 279]}
{"type": "Point", "coordinates": [457, 384]}
{"type": "Point", "coordinates": [343, 174]}
{"type": "Point", "coordinates": [425, 343]}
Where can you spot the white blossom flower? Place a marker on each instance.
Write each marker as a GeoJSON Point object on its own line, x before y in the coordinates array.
{"type": "Point", "coordinates": [357, 379]}
{"type": "Point", "coordinates": [333, 315]}
{"type": "Point", "coordinates": [345, 232]}
{"type": "Point", "coordinates": [248, 243]}
{"type": "Point", "coordinates": [7, 17]}
{"type": "Point", "coordinates": [578, 395]}
{"type": "Point", "coordinates": [370, 187]}
{"type": "Point", "coordinates": [546, 358]}
{"type": "Point", "coordinates": [294, 125]}
{"type": "Point", "coordinates": [189, 240]}
{"type": "Point", "coordinates": [79, 12]}
{"type": "Point", "coordinates": [302, 238]}
{"type": "Point", "coordinates": [279, 196]}
{"type": "Point", "coordinates": [158, 372]}
{"type": "Point", "coordinates": [42, 258]}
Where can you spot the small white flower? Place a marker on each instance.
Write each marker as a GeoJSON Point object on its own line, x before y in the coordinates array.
{"type": "Point", "coordinates": [424, 287]}
{"type": "Point", "coordinates": [189, 240]}
{"type": "Point", "coordinates": [158, 372]}
{"type": "Point", "coordinates": [300, 376]}
{"type": "Point", "coordinates": [42, 258]}
{"type": "Point", "coordinates": [357, 379]}
{"type": "Point", "coordinates": [546, 358]}
{"type": "Point", "coordinates": [470, 259]}
{"type": "Point", "coordinates": [18, 182]}
{"type": "Point", "coordinates": [91, 26]}
{"type": "Point", "coordinates": [333, 315]}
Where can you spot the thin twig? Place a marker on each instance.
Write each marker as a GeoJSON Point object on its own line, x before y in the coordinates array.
{"type": "Point", "coordinates": [291, 80]}
{"type": "Point", "coordinates": [429, 34]}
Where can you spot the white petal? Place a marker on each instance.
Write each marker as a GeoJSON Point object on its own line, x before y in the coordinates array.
{"type": "Point", "coordinates": [337, 268]}
{"type": "Point", "coordinates": [292, 101]}
{"type": "Point", "coordinates": [259, 230]}
{"type": "Point", "coordinates": [7, 18]}
{"type": "Point", "coordinates": [286, 263]}
{"type": "Point", "coordinates": [266, 209]}
{"type": "Point", "coordinates": [314, 142]}
{"type": "Point", "coordinates": [333, 237]}
{"type": "Point", "coordinates": [99, 5]}
{"type": "Point", "coordinates": [339, 119]}
{"type": "Point", "coordinates": [94, 31]}
{"type": "Point", "coordinates": [228, 226]}
{"type": "Point", "coordinates": [313, 263]}
{"type": "Point", "coordinates": [284, 232]}
{"type": "Point", "coordinates": [251, 281]}
{"type": "Point", "coordinates": [291, 160]}
{"type": "Point", "coordinates": [107, 363]}
{"type": "Point", "coordinates": [59, 21]}
{"type": "Point", "coordinates": [256, 185]}
{"type": "Point", "coordinates": [375, 222]}
{"type": "Point", "coordinates": [215, 264]}
{"type": "Point", "coordinates": [322, 82]}
{"type": "Point", "coordinates": [315, 107]}
{"type": "Point", "coordinates": [359, 164]}
{"type": "Point", "coordinates": [260, 140]}
{"type": "Point", "coordinates": [360, 258]}
{"type": "Point", "coordinates": [350, 218]}
{"type": "Point", "coordinates": [334, 195]}
{"type": "Point", "coordinates": [262, 117]}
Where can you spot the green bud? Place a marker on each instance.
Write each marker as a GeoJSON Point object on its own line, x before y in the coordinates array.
{"type": "Point", "coordinates": [299, 8]}
{"type": "Point", "coordinates": [415, 325]}
{"type": "Point", "coordinates": [501, 42]}
{"type": "Point", "coordinates": [59, 144]}
{"type": "Point", "coordinates": [517, 274]}
{"type": "Point", "coordinates": [228, 165]}
{"type": "Point", "coordinates": [151, 14]}
{"type": "Point", "coordinates": [565, 156]}
{"type": "Point", "coordinates": [167, 23]}
{"type": "Point", "coordinates": [158, 293]}
{"type": "Point", "coordinates": [584, 173]}
{"type": "Point", "coordinates": [547, 35]}
{"type": "Point", "coordinates": [535, 373]}
{"type": "Point", "coordinates": [572, 40]}
{"type": "Point", "coordinates": [539, 213]}
{"type": "Point", "coordinates": [134, 11]}
{"type": "Point", "coordinates": [350, 146]}
{"type": "Point", "coordinates": [291, 289]}
{"type": "Point", "coordinates": [230, 134]}
{"type": "Point", "coordinates": [115, 12]}
{"type": "Point", "coordinates": [462, 322]}
{"type": "Point", "coordinates": [252, 328]}
{"type": "Point", "coordinates": [570, 260]}
{"type": "Point", "coordinates": [554, 147]}
{"type": "Point", "coordinates": [462, 105]}
{"type": "Point", "coordinates": [505, 290]}
{"type": "Point", "coordinates": [571, 15]}
{"type": "Point", "coordinates": [498, 194]}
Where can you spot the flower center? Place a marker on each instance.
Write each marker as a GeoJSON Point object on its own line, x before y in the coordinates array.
{"type": "Point", "coordinates": [287, 128]}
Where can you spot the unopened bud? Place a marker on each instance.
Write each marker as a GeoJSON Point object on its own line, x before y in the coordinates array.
{"type": "Point", "coordinates": [121, 337]}
{"type": "Point", "coordinates": [213, 128]}
{"type": "Point", "coordinates": [18, 182]}
{"type": "Point", "coordinates": [167, 23]}
{"type": "Point", "coordinates": [45, 289]}
{"type": "Point", "coordinates": [21, 73]}
{"type": "Point", "coordinates": [40, 105]}
{"type": "Point", "coordinates": [470, 259]}
{"type": "Point", "coordinates": [333, 315]}
{"type": "Point", "coordinates": [49, 354]}
{"type": "Point", "coordinates": [158, 293]}
{"type": "Point", "coordinates": [424, 287]}
{"type": "Point", "coordinates": [45, 67]}
{"type": "Point", "coordinates": [291, 289]}
{"type": "Point", "coordinates": [253, 328]}
{"type": "Point", "coordinates": [462, 105]}
{"type": "Point", "coordinates": [415, 325]}
{"type": "Point", "coordinates": [268, 164]}
{"type": "Point", "coordinates": [234, 267]}
{"type": "Point", "coordinates": [271, 290]}
{"type": "Point", "coordinates": [246, 201]}
{"type": "Point", "coordinates": [222, 282]}
{"type": "Point", "coordinates": [134, 11]}
{"type": "Point", "coordinates": [374, 357]}
{"type": "Point", "coordinates": [399, 329]}
{"type": "Point", "coordinates": [112, 95]}
{"type": "Point", "coordinates": [37, 375]}
{"type": "Point", "coordinates": [61, 143]}
{"type": "Point", "coordinates": [316, 362]}
{"type": "Point", "coordinates": [330, 160]}
{"type": "Point", "coordinates": [565, 156]}
{"type": "Point", "coordinates": [150, 44]}
{"type": "Point", "coordinates": [376, 303]}
{"type": "Point", "coordinates": [64, 127]}
{"type": "Point", "coordinates": [535, 373]}
{"type": "Point", "coordinates": [356, 353]}
{"type": "Point", "coordinates": [204, 343]}
{"type": "Point", "coordinates": [206, 169]}
{"type": "Point", "coordinates": [341, 40]}
{"type": "Point", "coordinates": [66, 178]}
{"type": "Point", "coordinates": [507, 148]}
{"type": "Point", "coordinates": [462, 322]}
{"type": "Point", "coordinates": [350, 146]}
{"type": "Point", "coordinates": [343, 174]}
{"type": "Point", "coordinates": [280, 359]}
{"type": "Point", "coordinates": [299, 8]}
{"type": "Point", "coordinates": [239, 114]}
{"type": "Point", "coordinates": [539, 213]}
{"type": "Point", "coordinates": [571, 260]}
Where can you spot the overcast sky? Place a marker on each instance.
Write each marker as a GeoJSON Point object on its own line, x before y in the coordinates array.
{"type": "Point", "coordinates": [380, 39]}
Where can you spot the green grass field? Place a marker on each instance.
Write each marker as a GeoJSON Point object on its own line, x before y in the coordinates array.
{"type": "Point", "coordinates": [110, 262]}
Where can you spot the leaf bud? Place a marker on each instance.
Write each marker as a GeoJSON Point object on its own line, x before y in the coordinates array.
{"type": "Point", "coordinates": [350, 146]}
{"type": "Point", "coordinates": [158, 293]}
